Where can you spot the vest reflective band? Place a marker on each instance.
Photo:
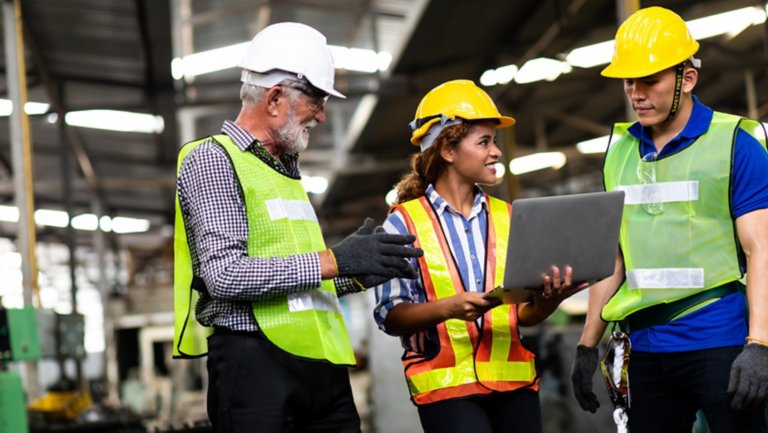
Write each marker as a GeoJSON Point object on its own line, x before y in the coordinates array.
{"type": "Point", "coordinates": [689, 247]}
{"type": "Point", "coordinates": [469, 361]}
{"type": "Point", "coordinates": [282, 223]}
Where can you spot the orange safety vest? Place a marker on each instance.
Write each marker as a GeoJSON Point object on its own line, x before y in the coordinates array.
{"type": "Point", "coordinates": [471, 360]}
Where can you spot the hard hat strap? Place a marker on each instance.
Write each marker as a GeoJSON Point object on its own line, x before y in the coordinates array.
{"type": "Point", "coordinates": [678, 91]}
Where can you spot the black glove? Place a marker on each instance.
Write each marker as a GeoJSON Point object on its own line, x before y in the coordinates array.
{"type": "Point", "coordinates": [365, 254]}
{"type": "Point", "coordinates": [749, 378]}
{"type": "Point", "coordinates": [584, 366]}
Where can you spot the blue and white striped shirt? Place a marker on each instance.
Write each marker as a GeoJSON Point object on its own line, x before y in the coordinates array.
{"type": "Point", "coordinates": [217, 232]}
{"type": "Point", "coordinates": [466, 239]}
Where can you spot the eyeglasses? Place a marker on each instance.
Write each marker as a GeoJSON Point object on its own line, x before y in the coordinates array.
{"type": "Point", "coordinates": [615, 368]}
{"type": "Point", "coordinates": [651, 192]}
{"type": "Point", "coordinates": [317, 98]}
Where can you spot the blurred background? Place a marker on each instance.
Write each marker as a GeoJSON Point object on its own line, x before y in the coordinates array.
{"type": "Point", "coordinates": [112, 88]}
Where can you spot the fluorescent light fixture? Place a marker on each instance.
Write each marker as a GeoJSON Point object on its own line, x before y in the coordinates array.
{"type": "Point", "coordinates": [537, 161]}
{"type": "Point", "coordinates": [541, 68]}
{"type": "Point", "coordinates": [502, 75]}
{"type": "Point", "coordinates": [208, 61]}
{"type": "Point", "coordinates": [594, 145]}
{"type": "Point", "coordinates": [86, 221]}
{"type": "Point", "coordinates": [731, 23]}
{"type": "Point", "coordinates": [129, 225]}
{"type": "Point", "coordinates": [9, 214]}
{"type": "Point", "coordinates": [6, 107]}
{"type": "Point", "coordinates": [105, 223]}
{"type": "Point", "coordinates": [114, 120]}
{"type": "Point", "coordinates": [500, 170]}
{"type": "Point", "coordinates": [315, 184]}
{"type": "Point", "coordinates": [591, 55]}
{"type": "Point", "coordinates": [359, 59]}
{"type": "Point", "coordinates": [204, 62]}
{"type": "Point", "coordinates": [51, 218]}
{"type": "Point", "coordinates": [391, 197]}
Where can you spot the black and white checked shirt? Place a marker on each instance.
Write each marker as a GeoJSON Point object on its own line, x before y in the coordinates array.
{"type": "Point", "coordinates": [217, 231]}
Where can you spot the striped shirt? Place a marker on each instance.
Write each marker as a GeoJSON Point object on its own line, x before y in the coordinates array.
{"type": "Point", "coordinates": [217, 230]}
{"type": "Point", "coordinates": [466, 238]}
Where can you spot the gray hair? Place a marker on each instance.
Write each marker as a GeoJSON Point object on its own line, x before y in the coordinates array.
{"type": "Point", "coordinates": [252, 95]}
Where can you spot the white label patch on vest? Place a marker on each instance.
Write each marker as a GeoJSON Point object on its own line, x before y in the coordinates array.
{"type": "Point", "coordinates": [314, 300]}
{"type": "Point", "coordinates": [662, 192]}
{"type": "Point", "coordinates": [666, 278]}
{"type": "Point", "coordinates": [295, 210]}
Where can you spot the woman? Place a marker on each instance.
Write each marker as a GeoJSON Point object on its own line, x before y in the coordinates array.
{"type": "Point", "coordinates": [465, 366]}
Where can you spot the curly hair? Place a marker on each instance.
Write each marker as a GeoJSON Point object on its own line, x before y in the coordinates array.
{"type": "Point", "coordinates": [428, 165]}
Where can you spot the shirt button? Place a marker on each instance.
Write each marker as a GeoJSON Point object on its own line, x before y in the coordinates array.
{"type": "Point", "coordinates": [473, 257]}
{"type": "Point", "coordinates": [477, 282]}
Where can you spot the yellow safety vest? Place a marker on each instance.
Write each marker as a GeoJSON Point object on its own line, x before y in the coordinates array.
{"type": "Point", "coordinates": [691, 245]}
{"type": "Point", "coordinates": [281, 223]}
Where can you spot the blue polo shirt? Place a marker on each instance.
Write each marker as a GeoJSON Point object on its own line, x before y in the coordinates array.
{"type": "Point", "coordinates": [723, 322]}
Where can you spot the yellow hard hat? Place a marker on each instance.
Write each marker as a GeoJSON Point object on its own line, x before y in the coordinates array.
{"type": "Point", "coordinates": [454, 99]}
{"type": "Point", "coordinates": [649, 41]}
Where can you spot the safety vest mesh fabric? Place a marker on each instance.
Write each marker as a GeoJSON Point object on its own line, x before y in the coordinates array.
{"type": "Point", "coordinates": [282, 223]}
{"type": "Point", "coordinates": [689, 247]}
{"type": "Point", "coordinates": [470, 361]}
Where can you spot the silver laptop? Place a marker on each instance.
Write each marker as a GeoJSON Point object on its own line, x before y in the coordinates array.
{"type": "Point", "coordinates": [580, 230]}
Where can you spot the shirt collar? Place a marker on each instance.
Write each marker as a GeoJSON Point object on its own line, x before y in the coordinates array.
{"type": "Point", "coordinates": [441, 206]}
{"type": "Point", "coordinates": [697, 125]}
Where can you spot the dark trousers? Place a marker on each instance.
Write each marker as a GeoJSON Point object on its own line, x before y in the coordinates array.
{"type": "Point", "coordinates": [256, 387]}
{"type": "Point", "coordinates": [502, 412]}
{"type": "Point", "coordinates": [667, 389]}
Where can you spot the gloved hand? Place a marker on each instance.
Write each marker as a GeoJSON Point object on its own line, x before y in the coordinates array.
{"type": "Point", "coordinates": [365, 254]}
{"type": "Point", "coordinates": [749, 378]}
{"type": "Point", "coordinates": [369, 281]}
{"type": "Point", "coordinates": [584, 366]}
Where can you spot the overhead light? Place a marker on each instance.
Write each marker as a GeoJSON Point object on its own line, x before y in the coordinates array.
{"type": "Point", "coordinates": [51, 218]}
{"type": "Point", "coordinates": [218, 59]}
{"type": "Point", "coordinates": [731, 23]}
{"type": "Point", "coordinates": [591, 55]}
{"type": "Point", "coordinates": [594, 145]}
{"type": "Point", "coordinates": [9, 213]}
{"type": "Point", "coordinates": [391, 197]}
{"type": "Point", "coordinates": [114, 120]}
{"type": "Point", "coordinates": [208, 61]}
{"type": "Point", "coordinates": [129, 225]}
{"type": "Point", "coordinates": [541, 68]}
{"type": "Point", "coordinates": [537, 161]}
{"type": "Point", "coordinates": [6, 107]}
{"type": "Point", "coordinates": [502, 75]}
{"type": "Point", "coordinates": [314, 184]}
{"type": "Point", "coordinates": [86, 221]}
{"type": "Point", "coordinates": [500, 170]}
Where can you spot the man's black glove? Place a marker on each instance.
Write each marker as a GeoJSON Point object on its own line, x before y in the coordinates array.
{"type": "Point", "coordinates": [582, 371]}
{"type": "Point", "coordinates": [749, 378]}
{"type": "Point", "coordinates": [365, 254]}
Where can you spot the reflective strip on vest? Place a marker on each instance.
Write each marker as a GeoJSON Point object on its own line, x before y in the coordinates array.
{"type": "Point", "coordinates": [666, 278]}
{"type": "Point", "coordinates": [690, 246]}
{"type": "Point", "coordinates": [313, 300]}
{"type": "Point", "coordinates": [662, 192]}
{"type": "Point", "coordinates": [296, 210]}
{"type": "Point", "coordinates": [500, 363]}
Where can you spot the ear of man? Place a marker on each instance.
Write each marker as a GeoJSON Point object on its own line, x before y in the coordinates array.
{"type": "Point", "coordinates": [273, 98]}
{"type": "Point", "coordinates": [690, 78]}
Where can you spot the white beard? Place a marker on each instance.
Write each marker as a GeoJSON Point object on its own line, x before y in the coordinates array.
{"type": "Point", "coordinates": [292, 138]}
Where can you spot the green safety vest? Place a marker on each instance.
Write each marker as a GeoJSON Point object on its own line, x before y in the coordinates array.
{"type": "Point", "coordinates": [281, 223]}
{"type": "Point", "coordinates": [691, 245]}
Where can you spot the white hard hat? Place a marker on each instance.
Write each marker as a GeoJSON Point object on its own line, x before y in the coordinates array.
{"type": "Point", "coordinates": [295, 48]}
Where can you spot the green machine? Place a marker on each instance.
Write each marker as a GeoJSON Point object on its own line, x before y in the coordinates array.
{"type": "Point", "coordinates": [18, 342]}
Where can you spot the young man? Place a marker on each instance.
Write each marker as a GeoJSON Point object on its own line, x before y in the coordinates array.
{"type": "Point", "coordinates": [251, 260]}
{"type": "Point", "coordinates": [695, 219]}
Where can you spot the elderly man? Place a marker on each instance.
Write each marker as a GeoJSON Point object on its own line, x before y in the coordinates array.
{"type": "Point", "coordinates": [251, 260]}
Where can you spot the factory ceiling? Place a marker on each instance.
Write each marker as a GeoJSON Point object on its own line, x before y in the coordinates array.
{"type": "Point", "coordinates": [117, 54]}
